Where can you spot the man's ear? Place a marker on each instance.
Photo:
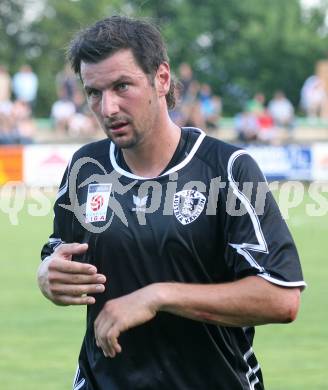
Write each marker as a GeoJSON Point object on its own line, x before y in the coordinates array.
{"type": "Point", "coordinates": [163, 79]}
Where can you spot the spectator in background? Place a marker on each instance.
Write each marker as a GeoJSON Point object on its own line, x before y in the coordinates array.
{"type": "Point", "coordinates": [313, 97]}
{"type": "Point", "coordinates": [7, 135]}
{"type": "Point", "coordinates": [80, 102]}
{"type": "Point", "coordinates": [248, 123]}
{"type": "Point", "coordinates": [211, 107]}
{"type": "Point", "coordinates": [72, 117]}
{"type": "Point", "coordinates": [188, 110]}
{"type": "Point", "coordinates": [5, 85]}
{"type": "Point", "coordinates": [281, 111]}
{"type": "Point", "coordinates": [16, 123]}
{"type": "Point", "coordinates": [247, 127]}
{"type": "Point", "coordinates": [267, 131]}
{"type": "Point", "coordinates": [185, 79]}
{"type": "Point", "coordinates": [255, 112]}
{"type": "Point", "coordinates": [25, 85]}
{"type": "Point", "coordinates": [62, 112]}
{"type": "Point", "coordinates": [176, 113]}
{"type": "Point", "coordinates": [66, 83]}
{"type": "Point", "coordinates": [191, 108]}
{"type": "Point", "coordinates": [82, 123]}
{"type": "Point", "coordinates": [24, 124]}
{"type": "Point", "coordinates": [256, 105]}
{"type": "Point", "coordinates": [255, 126]}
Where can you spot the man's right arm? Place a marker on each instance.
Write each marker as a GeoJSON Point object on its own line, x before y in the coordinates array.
{"type": "Point", "coordinates": [61, 280]}
{"type": "Point", "coordinates": [67, 282]}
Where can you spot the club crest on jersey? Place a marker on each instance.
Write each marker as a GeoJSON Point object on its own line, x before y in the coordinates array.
{"type": "Point", "coordinates": [188, 205]}
{"type": "Point", "coordinates": [97, 202]}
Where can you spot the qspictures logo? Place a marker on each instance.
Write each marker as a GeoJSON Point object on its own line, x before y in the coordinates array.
{"type": "Point", "coordinates": [103, 190]}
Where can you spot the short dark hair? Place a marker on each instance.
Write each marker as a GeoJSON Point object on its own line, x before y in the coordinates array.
{"type": "Point", "coordinates": [109, 35]}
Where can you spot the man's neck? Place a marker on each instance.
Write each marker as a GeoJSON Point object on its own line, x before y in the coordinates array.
{"type": "Point", "coordinates": [151, 157]}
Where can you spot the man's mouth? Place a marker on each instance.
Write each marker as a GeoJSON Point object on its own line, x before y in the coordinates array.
{"type": "Point", "coordinates": [116, 126]}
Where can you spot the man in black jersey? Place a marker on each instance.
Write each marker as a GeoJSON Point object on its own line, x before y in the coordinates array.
{"type": "Point", "coordinates": [176, 255]}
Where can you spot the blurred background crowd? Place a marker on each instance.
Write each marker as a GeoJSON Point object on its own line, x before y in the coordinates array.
{"type": "Point", "coordinates": [248, 72]}
{"type": "Point", "coordinates": [263, 119]}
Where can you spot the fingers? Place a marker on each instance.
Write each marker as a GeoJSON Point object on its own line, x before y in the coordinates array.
{"type": "Point", "coordinates": [68, 294]}
{"type": "Point", "coordinates": [71, 267]}
{"type": "Point", "coordinates": [107, 328]}
{"type": "Point", "coordinates": [76, 290]}
{"type": "Point", "coordinates": [107, 340]}
{"type": "Point", "coordinates": [114, 347]}
{"type": "Point", "coordinates": [65, 300]}
{"type": "Point", "coordinates": [71, 249]}
{"type": "Point", "coordinates": [57, 276]}
{"type": "Point", "coordinates": [62, 256]}
{"type": "Point", "coordinates": [69, 282]}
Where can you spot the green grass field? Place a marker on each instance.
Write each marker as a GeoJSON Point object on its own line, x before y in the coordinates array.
{"type": "Point", "coordinates": [39, 342]}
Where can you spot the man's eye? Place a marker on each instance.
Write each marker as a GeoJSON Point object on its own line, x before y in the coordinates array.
{"type": "Point", "coordinates": [122, 87]}
{"type": "Point", "coordinates": [93, 93]}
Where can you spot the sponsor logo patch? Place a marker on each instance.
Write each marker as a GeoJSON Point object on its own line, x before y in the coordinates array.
{"type": "Point", "coordinates": [140, 203]}
{"type": "Point", "coordinates": [97, 202]}
{"type": "Point", "coordinates": [188, 205]}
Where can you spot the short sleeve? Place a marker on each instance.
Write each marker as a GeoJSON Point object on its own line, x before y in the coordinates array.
{"type": "Point", "coordinates": [257, 239]}
{"type": "Point", "coordinates": [62, 220]}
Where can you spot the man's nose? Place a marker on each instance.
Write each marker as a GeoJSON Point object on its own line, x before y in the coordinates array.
{"type": "Point", "coordinates": [109, 104]}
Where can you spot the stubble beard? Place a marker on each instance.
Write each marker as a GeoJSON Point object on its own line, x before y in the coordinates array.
{"type": "Point", "coordinates": [125, 141]}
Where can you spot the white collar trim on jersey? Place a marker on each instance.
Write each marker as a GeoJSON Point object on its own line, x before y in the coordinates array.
{"type": "Point", "coordinates": [177, 167]}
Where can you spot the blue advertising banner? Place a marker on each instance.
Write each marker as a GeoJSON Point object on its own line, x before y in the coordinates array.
{"type": "Point", "coordinates": [289, 162]}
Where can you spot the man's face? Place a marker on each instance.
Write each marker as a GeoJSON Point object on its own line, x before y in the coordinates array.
{"type": "Point", "coordinates": [122, 98]}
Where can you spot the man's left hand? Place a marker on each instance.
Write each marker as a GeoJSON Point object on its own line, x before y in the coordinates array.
{"type": "Point", "coordinates": [121, 314]}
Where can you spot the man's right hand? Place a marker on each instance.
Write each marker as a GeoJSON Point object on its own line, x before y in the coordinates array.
{"type": "Point", "coordinates": [67, 282]}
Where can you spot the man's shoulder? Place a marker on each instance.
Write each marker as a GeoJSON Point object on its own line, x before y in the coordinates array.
{"type": "Point", "coordinates": [233, 162]}
{"type": "Point", "coordinates": [96, 150]}
{"type": "Point", "coordinates": [215, 152]}
{"type": "Point", "coordinates": [219, 145]}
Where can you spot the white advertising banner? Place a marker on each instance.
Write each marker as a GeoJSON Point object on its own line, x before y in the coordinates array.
{"type": "Point", "coordinates": [273, 160]}
{"type": "Point", "coordinates": [44, 165]}
{"type": "Point", "coordinates": [320, 161]}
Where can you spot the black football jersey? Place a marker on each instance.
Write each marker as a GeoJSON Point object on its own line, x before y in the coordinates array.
{"type": "Point", "coordinates": [208, 218]}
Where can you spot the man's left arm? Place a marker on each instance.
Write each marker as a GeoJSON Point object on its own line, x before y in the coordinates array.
{"type": "Point", "coordinates": [246, 302]}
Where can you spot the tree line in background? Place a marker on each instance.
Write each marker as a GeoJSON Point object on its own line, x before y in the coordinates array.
{"type": "Point", "coordinates": [238, 47]}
